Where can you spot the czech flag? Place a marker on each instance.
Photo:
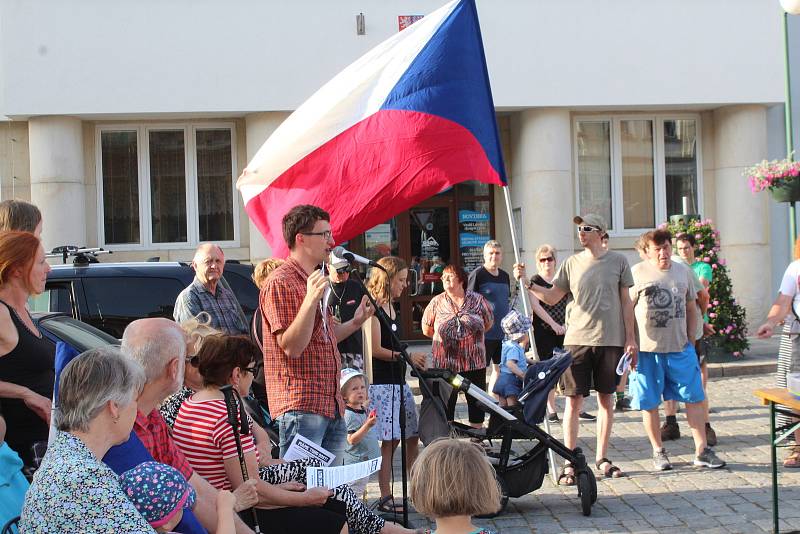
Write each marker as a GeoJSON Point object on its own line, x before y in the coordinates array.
{"type": "Point", "coordinates": [407, 120]}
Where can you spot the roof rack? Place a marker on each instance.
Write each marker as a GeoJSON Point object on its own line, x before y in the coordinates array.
{"type": "Point", "coordinates": [79, 255]}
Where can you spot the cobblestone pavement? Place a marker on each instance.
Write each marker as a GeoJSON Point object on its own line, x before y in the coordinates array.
{"type": "Point", "coordinates": [736, 498]}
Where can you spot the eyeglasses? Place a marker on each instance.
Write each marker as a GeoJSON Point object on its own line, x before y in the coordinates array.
{"type": "Point", "coordinates": [251, 370]}
{"type": "Point", "coordinates": [587, 229]}
{"type": "Point", "coordinates": [325, 235]}
{"type": "Point", "coordinates": [547, 260]}
{"type": "Point", "coordinates": [343, 270]}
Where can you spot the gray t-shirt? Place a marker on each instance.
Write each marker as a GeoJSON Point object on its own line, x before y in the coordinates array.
{"type": "Point", "coordinates": [594, 316]}
{"type": "Point", "coordinates": [367, 448]}
{"type": "Point", "coordinates": [660, 306]}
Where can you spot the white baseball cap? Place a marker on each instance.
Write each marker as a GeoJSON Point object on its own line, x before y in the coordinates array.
{"type": "Point", "coordinates": [348, 373]}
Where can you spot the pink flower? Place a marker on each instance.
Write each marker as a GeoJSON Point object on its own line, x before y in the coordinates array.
{"type": "Point", "coordinates": [707, 259]}
{"type": "Point", "coordinates": [737, 353]}
{"type": "Point", "coordinates": [712, 315]}
{"type": "Point", "coordinates": [713, 265]}
{"type": "Point", "coordinates": [698, 236]}
{"type": "Point", "coordinates": [716, 303]}
{"type": "Point", "coordinates": [723, 262]}
{"type": "Point", "coordinates": [701, 246]}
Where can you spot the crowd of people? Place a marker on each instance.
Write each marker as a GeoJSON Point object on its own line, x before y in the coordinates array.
{"type": "Point", "coordinates": [146, 426]}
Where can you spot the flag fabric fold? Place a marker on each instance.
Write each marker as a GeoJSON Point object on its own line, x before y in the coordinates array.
{"type": "Point", "coordinates": [410, 118]}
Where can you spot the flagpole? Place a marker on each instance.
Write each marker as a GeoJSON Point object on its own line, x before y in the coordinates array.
{"type": "Point", "coordinates": [523, 292]}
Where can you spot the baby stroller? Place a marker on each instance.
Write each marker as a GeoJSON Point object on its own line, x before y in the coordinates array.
{"type": "Point", "coordinates": [517, 474]}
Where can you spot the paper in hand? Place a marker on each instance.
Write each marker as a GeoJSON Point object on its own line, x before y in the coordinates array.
{"type": "Point", "coordinates": [301, 447]}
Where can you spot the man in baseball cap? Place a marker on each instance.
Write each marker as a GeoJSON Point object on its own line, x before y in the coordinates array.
{"type": "Point", "coordinates": [600, 327]}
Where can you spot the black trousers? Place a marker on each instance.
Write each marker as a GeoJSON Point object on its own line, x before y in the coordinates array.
{"type": "Point", "coordinates": [476, 413]}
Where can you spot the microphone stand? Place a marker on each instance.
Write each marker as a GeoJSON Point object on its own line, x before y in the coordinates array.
{"type": "Point", "coordinates": [384, 319]}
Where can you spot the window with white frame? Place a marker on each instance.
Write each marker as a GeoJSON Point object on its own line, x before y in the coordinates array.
{"type": "Point", "coordinates": [166, 186]}
{"type": "Point", "coordinates": [637, 170]}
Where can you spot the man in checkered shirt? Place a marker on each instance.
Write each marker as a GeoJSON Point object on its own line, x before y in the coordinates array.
{"type": "Point", "coordinates": [301, 360]}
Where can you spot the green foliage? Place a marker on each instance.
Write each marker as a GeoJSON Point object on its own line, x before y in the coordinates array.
{"type": "Point", "coordinates": [724, 314]}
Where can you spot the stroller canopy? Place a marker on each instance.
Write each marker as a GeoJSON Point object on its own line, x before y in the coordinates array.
{"type": "Point", "coordinates": [540, 378]}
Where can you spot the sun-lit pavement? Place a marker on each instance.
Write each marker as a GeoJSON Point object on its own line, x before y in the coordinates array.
{"type": "Point", "coordinates": [736, 498]}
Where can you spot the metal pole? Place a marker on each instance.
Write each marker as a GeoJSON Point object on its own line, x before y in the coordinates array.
{"type": "Point", "coordinates": [774, 458]}
{"type": "Point", "coordinates": [788, 120]}
{"type": "Point", "coordinates": [523, 292]}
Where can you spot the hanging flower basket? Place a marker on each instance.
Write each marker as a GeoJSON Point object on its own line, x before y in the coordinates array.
{"type": "Point", "coordinates": [780, 177]}
{"type": "Point", "coordinates": [788, 191]}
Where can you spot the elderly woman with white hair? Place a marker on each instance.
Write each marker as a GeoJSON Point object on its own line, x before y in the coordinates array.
{"type": "Point", "coordinates": [73, 490]}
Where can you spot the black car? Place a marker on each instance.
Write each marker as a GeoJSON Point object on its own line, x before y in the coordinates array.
{"type": "Point", "coordinates": [109, 296]}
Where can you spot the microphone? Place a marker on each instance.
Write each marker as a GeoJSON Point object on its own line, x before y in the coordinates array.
{"type": "Point", "coordinates": [349, 256]}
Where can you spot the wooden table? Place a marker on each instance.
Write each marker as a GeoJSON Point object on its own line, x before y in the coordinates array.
{"type": "Point", "coordinates": [779, 401]}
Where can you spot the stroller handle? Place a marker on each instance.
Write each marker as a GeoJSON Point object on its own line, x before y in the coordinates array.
{"type": "Point", "coordinates": [462, 384]}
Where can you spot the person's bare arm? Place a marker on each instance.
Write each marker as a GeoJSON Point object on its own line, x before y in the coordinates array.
{"type": "Point", "coordinates": [629, 322]}
{"type": "Point", "coordinates": [691, 320]}
{"type": "Point", "coordinates": [512, 365]}
{"type": "Point", "coordinates": [777, 313]}
{"type": "Point", "coordinates": [206, 506]}
{"type": "Point", "coordinates": [356, 437]}
{"type": "Point", "coordinates": [296, 337]}
{"type": "Point", "coordinates": [548, 295]}
{"type": "Point", "coordinates": [542, 314]}
{"type": "Point", "coordinates": [703, 299]}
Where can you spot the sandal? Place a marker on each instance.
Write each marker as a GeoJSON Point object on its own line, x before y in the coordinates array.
{"type": "Point", "coordinates": [568, 478]}
{"type": "Point", "coordinates": [611, 470]}
{"type": "Point", "coordinates": [793, 460]}
{"type": "Point", "coordinates": [386, 505]}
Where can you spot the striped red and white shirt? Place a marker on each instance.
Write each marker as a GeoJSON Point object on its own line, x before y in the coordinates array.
{"type": "Point", "coordinates": [206, 438]}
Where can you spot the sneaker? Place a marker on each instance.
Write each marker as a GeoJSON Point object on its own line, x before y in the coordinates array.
{"type": "Point", "coordinates": [670, 431]}
{"type": "Point", "coordinates": [553, 418]}
{"type": "Point", "coordinates": [587, 416]}
{"type": "Point", "coordinates": [660, 460]}
{"type": "Point", "coordinates": [708, 459]}
{"type": "Point", "coordinates": [711, 436]}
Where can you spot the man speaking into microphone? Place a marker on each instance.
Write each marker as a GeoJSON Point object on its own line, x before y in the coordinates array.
{"type": "Point", "coordinates": [301, 360]}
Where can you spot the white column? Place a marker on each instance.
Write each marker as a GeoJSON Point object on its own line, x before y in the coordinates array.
{"type": "Point", "coordinates": [259, 126]}
{"type": "Point", "coordinates": [743, 217]}
{"type": "Point", "coordinates": [57, 179]}
{"type": "Point", "coordinates": [541, 180]}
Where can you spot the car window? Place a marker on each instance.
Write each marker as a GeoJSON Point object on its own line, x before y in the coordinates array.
{"type": "Point", "coordinates": [80, 336]}
{"type": "Point", "coordinates": [55, 298]}
{"type": "Point", "coordinates": [113, 303]}
{"type": "Point", "coordinates": [245, 290]}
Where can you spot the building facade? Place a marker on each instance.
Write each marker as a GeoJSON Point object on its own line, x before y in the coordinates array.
{"type": "Point", "coordinates": [129, 122]}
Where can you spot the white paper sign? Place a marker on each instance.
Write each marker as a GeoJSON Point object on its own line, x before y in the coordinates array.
{"type": "Point", "coordinates": [331, 477]}
{"type": "Point", "coordinates": [301, 447]}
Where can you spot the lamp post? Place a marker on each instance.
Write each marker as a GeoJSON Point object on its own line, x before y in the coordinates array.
{"type": "Point", "coordinates": [790, 7]}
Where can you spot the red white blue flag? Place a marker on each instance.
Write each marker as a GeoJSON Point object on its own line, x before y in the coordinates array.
{"type": "Point", "coordinates": [410, 118]}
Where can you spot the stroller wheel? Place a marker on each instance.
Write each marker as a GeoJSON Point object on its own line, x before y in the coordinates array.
{"type": "Point", "coordinates": [585, 492]}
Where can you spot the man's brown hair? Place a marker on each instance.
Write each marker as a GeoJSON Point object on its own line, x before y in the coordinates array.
{"type": "Point", "coordinates": [656, 237]}
{"type": "Point", "coordinates": [301, 219]}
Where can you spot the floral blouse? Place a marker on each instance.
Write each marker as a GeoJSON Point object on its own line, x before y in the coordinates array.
{"type": "Point", "coordinates": [458, 332]}
{"type": "Point", "coordinates": [169, 408]}
{"type": "Point", "coordinates": [73, 491]}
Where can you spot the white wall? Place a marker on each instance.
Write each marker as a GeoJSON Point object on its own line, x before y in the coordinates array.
{"type": "Point", "coordinates": [202, 56]}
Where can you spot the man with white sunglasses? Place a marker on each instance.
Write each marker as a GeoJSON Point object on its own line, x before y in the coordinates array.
{"type": "Point", "coordinates": [600, 327]}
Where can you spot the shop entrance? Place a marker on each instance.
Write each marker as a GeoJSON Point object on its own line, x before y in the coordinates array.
{"type": "Point", "coordinates": [450, 227]}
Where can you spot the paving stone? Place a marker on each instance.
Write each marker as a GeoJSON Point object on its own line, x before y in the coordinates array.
{"type": "Point", "coordinates": [737, 498]}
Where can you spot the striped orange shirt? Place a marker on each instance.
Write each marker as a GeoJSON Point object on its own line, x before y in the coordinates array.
{"type": "Point", "coordinates": [206, 438]}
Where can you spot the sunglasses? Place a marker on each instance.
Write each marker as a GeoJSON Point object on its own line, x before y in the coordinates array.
{"type": "Point", "coordinates": [547, 260]}
{"type": "Point", "coordinates": [343, 270]}
{"type": "Point", "coordinates": [251, 370]}
{"type": "Point", "coordinates": [587, 229]}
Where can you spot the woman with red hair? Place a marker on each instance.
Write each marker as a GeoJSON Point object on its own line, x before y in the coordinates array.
{"type": "Point", "coordinates": [26, 357]}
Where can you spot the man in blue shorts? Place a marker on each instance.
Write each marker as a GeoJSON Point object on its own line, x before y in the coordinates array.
{"type": "Point", "coordinates": [663, 296]}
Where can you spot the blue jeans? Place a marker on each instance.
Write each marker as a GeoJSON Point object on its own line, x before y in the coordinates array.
{"type": "Point", "coordinates": [330, 434]}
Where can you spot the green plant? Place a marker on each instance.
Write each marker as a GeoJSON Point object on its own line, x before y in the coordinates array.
{"type": "Point", "coordinates": [726, 316]}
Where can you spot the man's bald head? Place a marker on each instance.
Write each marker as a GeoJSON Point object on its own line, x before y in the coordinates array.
{"type": "Point", "coordinates": [154, 343]}
{"type": "Point", "coordinates": [208, 264]}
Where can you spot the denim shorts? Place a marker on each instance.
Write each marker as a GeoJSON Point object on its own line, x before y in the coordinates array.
{"type": "Point", "coordinates": [667, 375]}
{"type": "Point", "coordinates": [507, 385]}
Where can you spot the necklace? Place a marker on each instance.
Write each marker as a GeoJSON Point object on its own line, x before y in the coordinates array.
{"type": "Point", "coordinates": [337, 307]}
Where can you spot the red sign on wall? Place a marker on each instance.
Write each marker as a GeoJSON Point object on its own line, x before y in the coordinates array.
{"type": "Point", "coordinates": [404, 21]}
